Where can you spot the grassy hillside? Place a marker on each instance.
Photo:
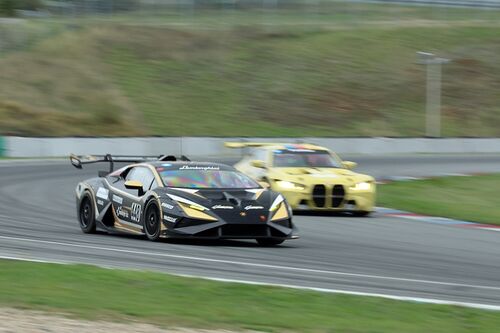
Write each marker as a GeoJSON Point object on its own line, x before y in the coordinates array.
{"type": "Point", "coordinates": [346, 72]}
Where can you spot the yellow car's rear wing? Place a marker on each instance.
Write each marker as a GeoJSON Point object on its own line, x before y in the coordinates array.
{"type": "Point", "coordinates": [250, 144]}
{"type": "Point", "coordinates": [264, 144]}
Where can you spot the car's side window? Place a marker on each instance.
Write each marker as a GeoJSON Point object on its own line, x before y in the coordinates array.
{"type": "Point", "coordinates": [154, 185]}
{"type": "Point", "coordinates": [143, 175]}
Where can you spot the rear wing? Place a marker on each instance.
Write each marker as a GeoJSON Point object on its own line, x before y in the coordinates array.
{"type": "Point", "coordinates": [290, 145]}
{"type": "Point", "coordinates": [79, 161]}
{"type": "Point", "coordinates": [250, 144]}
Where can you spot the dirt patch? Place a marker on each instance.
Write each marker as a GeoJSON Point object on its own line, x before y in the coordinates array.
{"type": "Point", "coordinates": [25, 321]}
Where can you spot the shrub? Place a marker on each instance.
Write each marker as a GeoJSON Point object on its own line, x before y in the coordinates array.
{"type": "Point", "coordinates": [9, 7]}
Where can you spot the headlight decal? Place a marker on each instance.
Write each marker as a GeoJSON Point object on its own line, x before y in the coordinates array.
{"type": "Point", "coordinates": [190, 203]}
{"type": "Point", "coordinates": [279, 199]}
{"type": "Point", "coordinates": [195, 213]}
{"type": "Point", "coordinates": [281, 213]}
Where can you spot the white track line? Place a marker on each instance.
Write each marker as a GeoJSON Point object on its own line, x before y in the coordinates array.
{"type": "Point", "coordinates": [249, 264]}
{"type": "Point", "coordinates": [323, 290]}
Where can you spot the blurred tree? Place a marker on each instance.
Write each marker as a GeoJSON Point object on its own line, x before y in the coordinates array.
{"type": "Point", "coordinates": [9, 7]}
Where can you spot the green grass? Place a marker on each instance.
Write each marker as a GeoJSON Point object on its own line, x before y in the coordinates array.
{"type": "Point", "coordinates": [465, 198]}
{"type": "Point", "coordinates": [168, 301]}
{"type": "Point", "coordinates": [343, 70]}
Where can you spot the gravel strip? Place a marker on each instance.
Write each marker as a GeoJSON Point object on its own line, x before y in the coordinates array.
{"type": "Point", "coordinates": [24, 321]}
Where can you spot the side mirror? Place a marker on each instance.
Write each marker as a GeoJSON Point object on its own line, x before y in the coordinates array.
{"type": "Point", "coordinates": [349, 165]}
{"type": "Point", "coordinates": [75, 161]}
{"type": "Point", "coordinates": [135, 185]}
{"type": "Point", "coordinates": [258, 164]}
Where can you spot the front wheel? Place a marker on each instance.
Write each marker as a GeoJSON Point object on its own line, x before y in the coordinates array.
{"type": "Point", "coordinates": [269, 241]}
{"type": "Point", "coordinates": [152, 222]}
{"type": "Point", "coordinates": [86, 215]}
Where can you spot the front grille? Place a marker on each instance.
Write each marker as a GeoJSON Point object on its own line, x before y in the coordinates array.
{"type": "Point", "coordinates": [338, 194]}
{"type": "Point", "coordinates": [328, 196]}
{"type": "Point", "coordinates": [244, 230]}
{"type": "Point", "coordinates": [319, 195]}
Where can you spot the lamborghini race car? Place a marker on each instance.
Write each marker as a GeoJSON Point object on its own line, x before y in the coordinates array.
{"type": "Point", "coordinates": [309, 176]}
{"type": "Point", "coordinates": [170, 198]}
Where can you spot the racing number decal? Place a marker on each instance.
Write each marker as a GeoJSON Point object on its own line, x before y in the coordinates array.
{"type": "Point", "coordinates": [135, 214]}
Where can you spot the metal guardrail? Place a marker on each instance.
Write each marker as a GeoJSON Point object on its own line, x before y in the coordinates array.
{"type": "Point", "coordinates": [440, 3]}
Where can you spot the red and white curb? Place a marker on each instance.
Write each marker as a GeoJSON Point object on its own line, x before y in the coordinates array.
{"type": "Point", "coordinates": [433, 219]}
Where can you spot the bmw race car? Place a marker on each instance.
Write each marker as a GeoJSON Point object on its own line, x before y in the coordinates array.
{"type": "Point", "coordinates": [170, 198]}
{"type": "Point", "coordinates": [309, 176]}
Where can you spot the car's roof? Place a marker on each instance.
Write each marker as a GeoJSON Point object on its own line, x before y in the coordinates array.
{"type": "Point", "coordinates": [190, 165]}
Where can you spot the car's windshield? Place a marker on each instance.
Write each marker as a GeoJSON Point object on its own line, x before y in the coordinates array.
{"type": "Point", "coordinates": [207, 179]}
{"type": "Point", "coordinates": [299, 159]}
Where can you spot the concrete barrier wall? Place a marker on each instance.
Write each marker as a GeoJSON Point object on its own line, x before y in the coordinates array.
{"type": "Point", "coordinates": [209, 146]}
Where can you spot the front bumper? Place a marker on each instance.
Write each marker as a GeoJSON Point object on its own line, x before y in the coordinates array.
{"type": "Point", "coordinates": [335, 197]}
{"type": "Point", "coordinates": [194, 229]}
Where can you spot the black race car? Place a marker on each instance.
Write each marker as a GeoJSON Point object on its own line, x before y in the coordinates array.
{"type": "Point", "coordinates": [166, 197]}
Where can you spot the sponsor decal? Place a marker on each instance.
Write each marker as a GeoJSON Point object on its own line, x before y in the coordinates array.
{"type": "Point", "coordinates": [222, 207]}
{"type": "Point", "coordinates": [100, 202]}
{"type": "Point", "coordinates": [122, 212]}
{"type": "Point", "coordinates": [166, 165]}
{"type": "Point", "coordinates": [102, 193]}
{"type": "Point", "coordinates": [250, 207]}
{"type": "Point", "coordinates": [169, 218]}
{"type": "Point", "coordinates": [167, 206]}
{"type": "Point", "coordinates": [117, 199]}
{"type": "Point", "coordinates": [136, 211]}
{"type": "Point", "coordinates": [199, 167]}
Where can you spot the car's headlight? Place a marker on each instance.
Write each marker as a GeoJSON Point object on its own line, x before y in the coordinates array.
{"type": "Point", "coordinates": [289, 185]}
{"type": "Point", "coordinates": [363, 186]}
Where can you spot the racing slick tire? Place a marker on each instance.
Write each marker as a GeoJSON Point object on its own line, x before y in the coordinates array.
{"type": "Point", "coordinates": [269, 241]}
{"type": "Point", "coordinates": [86, 215]}
{"type": "Point", "coordinates": [152, 221]}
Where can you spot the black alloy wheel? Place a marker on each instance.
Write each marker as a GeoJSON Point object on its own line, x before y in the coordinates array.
{"type": "Point", "coordinates": [152, 222]}
{"type": "Point", "coordinates": [87, 216]}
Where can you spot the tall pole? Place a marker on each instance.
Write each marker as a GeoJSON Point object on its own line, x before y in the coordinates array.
{"type": "Point", "coordinates": [433, 92]}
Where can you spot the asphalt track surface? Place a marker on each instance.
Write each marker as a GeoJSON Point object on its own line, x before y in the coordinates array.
{"type": "Point", "coordinates": [378, 254]}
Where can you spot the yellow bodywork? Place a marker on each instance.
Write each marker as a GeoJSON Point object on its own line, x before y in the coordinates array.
{"type": "Point", "coordinates": [309, 188]}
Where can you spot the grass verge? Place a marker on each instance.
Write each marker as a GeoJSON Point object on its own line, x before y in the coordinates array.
{"type": "Point", "coordinates": [164, 300]}
{"type": "Point", "coordinates": [466, 198]}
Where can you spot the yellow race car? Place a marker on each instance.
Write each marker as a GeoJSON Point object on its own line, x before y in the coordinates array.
{"type": "Point", "coordinates": [309, 176]}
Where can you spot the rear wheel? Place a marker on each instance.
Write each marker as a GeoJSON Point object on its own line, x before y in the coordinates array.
{"type": "Point", "coordinates": [87, 215]}
{"type": "Point", "coordinates": [152, 222]}
{"type": "Point", "coordinates": [269, 241]}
